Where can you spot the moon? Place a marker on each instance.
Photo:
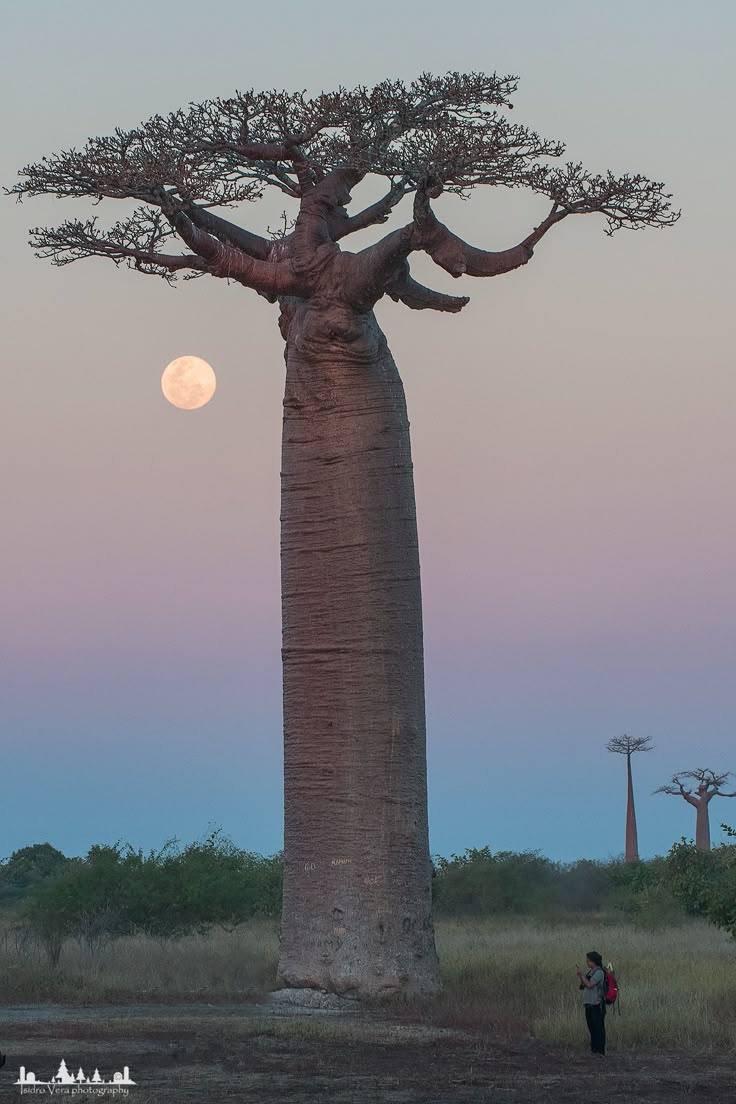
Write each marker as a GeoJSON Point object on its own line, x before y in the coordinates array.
{"type": "Point", "coordinates": [188, 382]}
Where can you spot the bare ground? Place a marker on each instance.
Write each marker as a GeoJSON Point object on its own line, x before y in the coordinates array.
{"type": "Point", "coordinates": [266, 1058]}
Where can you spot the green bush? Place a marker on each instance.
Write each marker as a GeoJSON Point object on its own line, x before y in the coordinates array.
{"type": "Point", "coordinates": [27, 869]}
{"type": "Point", "coordinates": [705, 881]}
{"type": "Point", "coordinates": [584, 886]}
{"type": "Point", "coordinates": [117, 890]}
{"type": "Point", "coordinates": [480, 883]}
{"type": "Point", "coordinates": [634, 887]}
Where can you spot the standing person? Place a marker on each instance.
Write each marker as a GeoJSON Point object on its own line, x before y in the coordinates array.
{"type": "Point", "coordinates": [593, 984]}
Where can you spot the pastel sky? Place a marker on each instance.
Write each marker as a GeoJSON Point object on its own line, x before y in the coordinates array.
{"type": "Point", "coordinates": [573, 431]}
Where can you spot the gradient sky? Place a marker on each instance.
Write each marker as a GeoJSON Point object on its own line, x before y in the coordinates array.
{"type": "Point", "coordinates": [573, 434]}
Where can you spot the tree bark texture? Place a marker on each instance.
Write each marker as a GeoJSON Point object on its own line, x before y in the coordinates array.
{"type": "Point", "coordinates": [702, 824]}
{"type": "Point", "coordinates": [357, 873]}
{"type": "Point", "coordinates": [632, 842]}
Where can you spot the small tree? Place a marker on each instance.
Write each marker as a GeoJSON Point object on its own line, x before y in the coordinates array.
{"type": "Point", "coordinates": [628, 746]}
{"type": "Point", "coordinates": [707, 786]}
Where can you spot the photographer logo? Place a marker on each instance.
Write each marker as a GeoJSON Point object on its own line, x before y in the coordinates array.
{"type": "Point", "coordinates": [64, 1083]}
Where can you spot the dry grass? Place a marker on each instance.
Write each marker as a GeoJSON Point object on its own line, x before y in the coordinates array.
{"type": "Point", "coordinates": [678, 985]}
{"type": "Point", "coordinates": [219, 964]}
{"type": "Point", "coordinates": [506, 977]}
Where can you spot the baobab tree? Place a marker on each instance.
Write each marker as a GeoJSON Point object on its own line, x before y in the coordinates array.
{"type": "Point", "coordinates": [357, 873]}
{"type": "Point", "coordinates": [628, 746]}
{"type": "Point", "coordinates": [707, 786]}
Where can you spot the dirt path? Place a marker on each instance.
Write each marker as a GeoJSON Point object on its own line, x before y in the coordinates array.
{"type": "Point", "coordinates": [305, 1059]}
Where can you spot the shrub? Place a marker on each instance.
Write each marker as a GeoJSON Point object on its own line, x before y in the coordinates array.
{"type": "Point", "coordinates": [27, 869]}
{"type": "Point", "coordinates": [481, 883]}
{"type": "Point", "coordinates": [636, 886]}
{"type": "Point", "coordinates": [705, 881]}
{"type": "Point", "coordinates": [117, 890]}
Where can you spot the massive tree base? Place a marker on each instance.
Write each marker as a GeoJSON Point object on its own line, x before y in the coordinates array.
{"type": "Point", "coordinates": [357, 914]}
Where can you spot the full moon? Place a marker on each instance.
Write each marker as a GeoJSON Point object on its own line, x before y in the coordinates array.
{"type": "Point", "coordinates": [188, 382]}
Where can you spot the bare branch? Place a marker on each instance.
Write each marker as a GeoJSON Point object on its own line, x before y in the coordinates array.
{"type": "Point", "coordinates": [452, 129]}
{"type": "Point", "coordinates": [370, 216]}
{"type": "Point", "coordinates": [139, 238]}
{"type": "Point", "coordinates": [448, 125]}
{"type": "Point", "coordinates": [630, 201]}
{"type": "Point", "coordinates": [133, 164]}
{"type": "Point", "coordinates": [708, 785]}
{"type": "Point", "coordinates": [74, 240]}
{"type": "Point", "coordinates": [455, 255]}
{"type": "Point", "coordinates": [629, 745]}
{"type": "Point", "coordinates": [228, 233]}
{"type": "Point", "coordinates": [377, 266]}
{"type": "Point", "coordinates": [435, 133]}
{"type": "Point", "coordinates": [288, 150]}
{"type": "Point", "coordinates": [678, 790]}
{"type": "Point", "coordinates": [704, 776]}
{"type": "Point", "coordinates": [402, 288]}
{"type": "Point", "coordinates": [270, 278]}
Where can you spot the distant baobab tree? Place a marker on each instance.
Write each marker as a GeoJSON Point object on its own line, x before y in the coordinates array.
{"type": "Point", "coordinates": [357, 876]}
{"type": "Point", "coordinates": [707, 786]}
{"type": "Point", "coordinates": [628, 746]}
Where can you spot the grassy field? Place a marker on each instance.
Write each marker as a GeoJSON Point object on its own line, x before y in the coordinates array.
{"type": "Point", "coordinates": [235, 964]}
{"type": "Point", "coordinates": [513, 977]}
{"type": "Point", "coordinates": [678, 985]}
{"type": "Point", "coordinates": [507, 1029]}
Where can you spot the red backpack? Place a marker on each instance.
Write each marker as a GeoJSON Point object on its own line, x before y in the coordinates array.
{"type": "Point", "coordinates": [610, 988]}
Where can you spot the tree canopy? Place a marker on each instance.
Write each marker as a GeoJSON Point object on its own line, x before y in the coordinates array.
{"type": "Point", "coordinates": [708, 784]}
{"type": "Point", "coordinates": [437, 133]}
{"type": "Point", "coordinates": [629, 745]}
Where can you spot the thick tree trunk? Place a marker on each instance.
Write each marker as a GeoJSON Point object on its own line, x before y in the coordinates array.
{"type": "Point", "coordinates": [357, 873]}
{"type": "Point", "coordinates": [702, 825]}
{"type": "Point", "coordinates": [632, 842]}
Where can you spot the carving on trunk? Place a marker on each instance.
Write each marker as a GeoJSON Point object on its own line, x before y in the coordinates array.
{"type": "Point", "coordinates": [354, 725]}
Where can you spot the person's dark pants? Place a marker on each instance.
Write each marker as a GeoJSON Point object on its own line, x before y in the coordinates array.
{"type": "Point", "coordinates": [595, 1017]}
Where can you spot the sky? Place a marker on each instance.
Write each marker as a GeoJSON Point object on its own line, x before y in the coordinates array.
{"type": "Point", "coordinates": [573, 436]}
